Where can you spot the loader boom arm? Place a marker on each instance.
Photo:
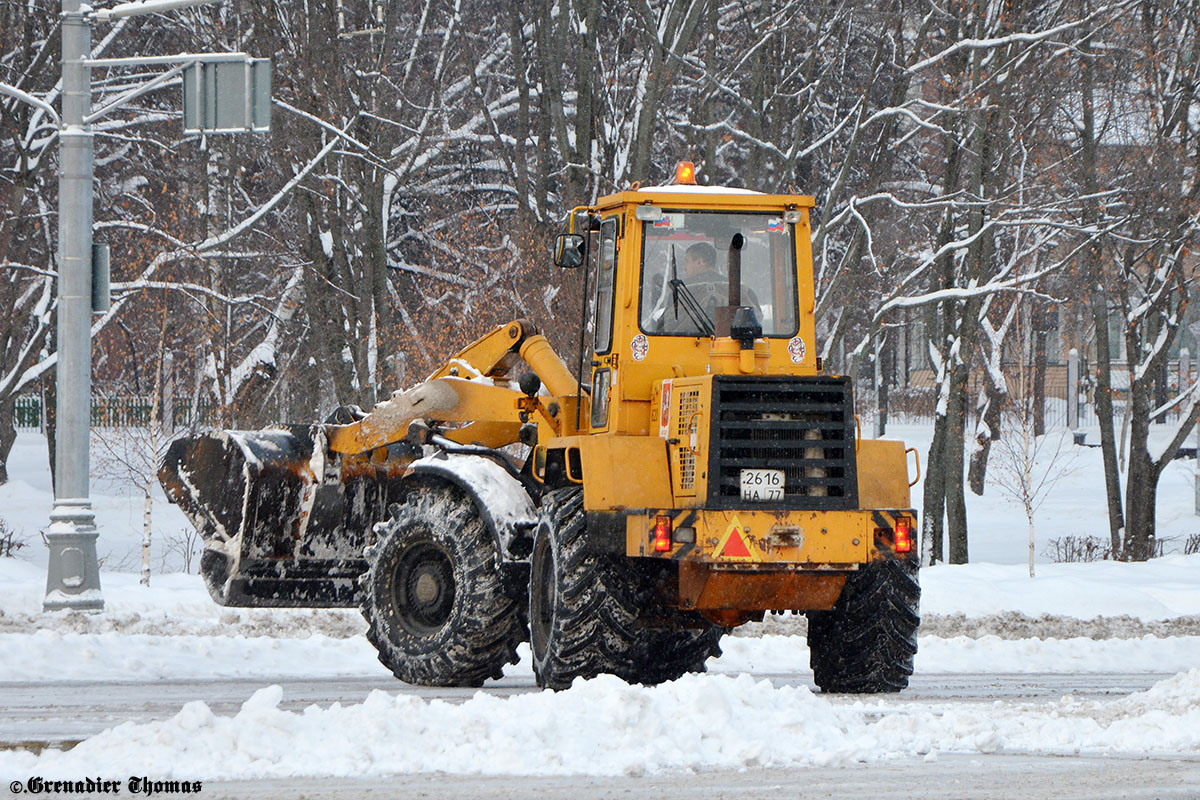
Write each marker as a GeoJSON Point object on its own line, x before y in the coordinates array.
{"type": "Point", "coordinates": [471, 387]}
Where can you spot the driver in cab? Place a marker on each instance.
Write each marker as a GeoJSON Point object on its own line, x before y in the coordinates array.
{"type": "Point", "coordinates": [702, 281]}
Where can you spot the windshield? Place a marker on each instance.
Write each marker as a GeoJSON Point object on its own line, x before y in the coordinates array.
{"type": "Point", "coordinates": [685, 257]}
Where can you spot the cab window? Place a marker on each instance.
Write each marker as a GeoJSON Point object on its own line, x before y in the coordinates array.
{"type": "Point", "coordinates": [606, 269]}
{"type": "Point", "coordinates": [685, 257]}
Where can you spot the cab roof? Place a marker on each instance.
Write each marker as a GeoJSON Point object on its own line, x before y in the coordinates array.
{"type": "Point", "coordinates": [694, 196]}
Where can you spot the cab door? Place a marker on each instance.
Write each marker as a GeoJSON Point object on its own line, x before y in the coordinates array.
{"type": "Point", "coordinates": [604, 362]}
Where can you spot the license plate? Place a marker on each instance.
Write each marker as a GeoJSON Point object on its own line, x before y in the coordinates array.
{"type": "Point", "coordinates": [759, 485]}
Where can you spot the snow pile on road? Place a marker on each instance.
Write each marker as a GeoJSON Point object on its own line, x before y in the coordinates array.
{"type": "Point", "coordinates": [1162, 719]}
{"type": "Point", "coordinates": [1015, 625]}
{"type": "Point", "coordinates": [606, 727]}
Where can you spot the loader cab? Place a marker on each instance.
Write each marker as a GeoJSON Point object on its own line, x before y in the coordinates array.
{"type": "Point", "coordinates": [685, 277]}
{"type": "Point", "coordinates": [657, 274]}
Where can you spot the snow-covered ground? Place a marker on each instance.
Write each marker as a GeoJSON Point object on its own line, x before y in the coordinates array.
{"type": "Point", "coordinates": [1144, 618]}
{"type": "Point", "coordinates": [172, 630]}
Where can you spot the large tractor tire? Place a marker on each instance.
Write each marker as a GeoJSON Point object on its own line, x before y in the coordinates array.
{"type": "Point", "coordinates": [866, 643]}
{"type": "Point", "coordinates": [584, 608]}
{"type": "Point", "coordinates": [432, 598]}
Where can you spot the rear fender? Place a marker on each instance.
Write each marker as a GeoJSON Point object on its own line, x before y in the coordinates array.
{"type": "Point", "coordinates": [500, 498]}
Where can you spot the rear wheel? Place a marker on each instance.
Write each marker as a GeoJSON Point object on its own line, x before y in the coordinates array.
{"type": "Point", "coordinates": [584, 608]}
{"type": "Point", "coordinates": [435, 608]}
{"type": "Point", "coordinates": [866, 643]}
{"type": "Point", "coordinates": [669, 654]}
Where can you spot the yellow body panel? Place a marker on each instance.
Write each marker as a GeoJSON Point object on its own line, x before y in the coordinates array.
{"type": "Point", "coordinates": [621, 472]}
{"type": "Point", "coordinates": [809, 539]}
{"type": "Point", "coordinates": [882, 474]}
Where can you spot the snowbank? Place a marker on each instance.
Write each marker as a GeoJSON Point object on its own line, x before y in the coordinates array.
{"type": "Point", "coordinates": [113, 657]}
{"type": "Point", "coordinates": [605, 727]}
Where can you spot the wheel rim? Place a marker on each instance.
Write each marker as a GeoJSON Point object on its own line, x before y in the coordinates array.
{"type": "Point", "coordinates": [423, 588]}
{"type": "Point", "coordinates": [541, 597]}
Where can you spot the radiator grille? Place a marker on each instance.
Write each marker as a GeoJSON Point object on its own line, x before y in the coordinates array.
{"type": "Point", "coordinates": [689, 404]}
{"type": "Point", "coordinates": [803, 426]}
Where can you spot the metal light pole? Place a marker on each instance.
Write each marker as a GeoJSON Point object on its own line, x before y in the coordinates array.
{"type": "Point", "coordinates": [73, 576]}
{"type": "Point", "coordinates": [226, 93]}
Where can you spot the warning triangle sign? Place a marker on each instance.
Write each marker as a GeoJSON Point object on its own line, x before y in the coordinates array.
{"type": "Point", "coordinates": [733, 546]}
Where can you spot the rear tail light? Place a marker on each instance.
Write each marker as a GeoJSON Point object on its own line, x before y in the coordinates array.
{"type": "Point", "coordinates": [662, 534]}
{"type": "Point", "coordinates": [904, 539]}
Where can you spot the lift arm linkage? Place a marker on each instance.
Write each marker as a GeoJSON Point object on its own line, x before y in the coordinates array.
{"type": "Point", "coordinates": [456, 393]}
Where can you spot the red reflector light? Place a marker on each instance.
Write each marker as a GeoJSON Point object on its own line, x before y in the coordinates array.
{"type": "Point", "coordinates": [662, 534]}
{"type": "Point", "coordinates": [904, 542]}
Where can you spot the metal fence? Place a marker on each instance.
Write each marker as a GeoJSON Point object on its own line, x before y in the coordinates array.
{"type": "Point", "coordinates": [912, 398]}
{"type": "Point", "coordinates": [117, 411]}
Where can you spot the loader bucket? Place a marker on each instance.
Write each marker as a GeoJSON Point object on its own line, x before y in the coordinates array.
{"type": "Point", "coordinates": [251, 496]}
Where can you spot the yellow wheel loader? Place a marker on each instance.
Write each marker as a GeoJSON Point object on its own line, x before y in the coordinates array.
{"type": "Point", "coordinates": [697, 471]}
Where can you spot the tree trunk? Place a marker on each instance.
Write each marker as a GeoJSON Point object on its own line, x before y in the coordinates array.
{"type": "Point", "coordinates": [1162, 389]}
{"type": "Point", "coordinates": [146, 512]}
{"type": "Point", "coordinates": [1093, 271]}
{"type": "Point", "coordinates": [578, 177]}
{"type": "Point", "coordinates": [882, 378]}
{"type": "Point", "coordinates": [934, 496]}
{"type": "Point", "coordinates": [1141, 482]}
{"type": "Point", "coordinates": [956, 503]}
{"type": "Point", "coordinates": [708, 103]}
{"type": "Point", "coordinates": [965, 320]}
{"type": "Point", "coordinates": [524, 133]}
{"type": "Point", "coordinates": [8, 435]}
{"type": "Point", "coordinates": [987, 431]}
{"type": "Point", "coordinates": [1040, 335]}
{"type": "Point", "coordinates": [50, 410]}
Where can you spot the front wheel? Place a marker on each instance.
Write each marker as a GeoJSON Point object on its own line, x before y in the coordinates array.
{"type": "Point", "coordinates": [867, 642]}
{"type": "Point", "coordinates": [435, 608]}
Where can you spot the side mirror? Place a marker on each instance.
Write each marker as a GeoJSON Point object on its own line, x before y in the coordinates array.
{"type": "Point", "coordinates": [569, 250]}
